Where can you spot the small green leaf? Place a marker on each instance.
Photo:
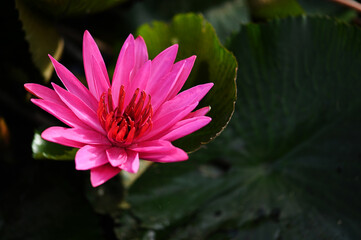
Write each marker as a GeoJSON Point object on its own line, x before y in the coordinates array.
{"type": "Point", "coordinates": [214, 63]}
{"type": "Point", "coordinates": [47, 150]}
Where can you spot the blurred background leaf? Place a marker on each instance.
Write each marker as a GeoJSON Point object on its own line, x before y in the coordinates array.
{"type": "Point", "coordinates": [261, 9]}
{"type": "Point", "coordinates": [63, 8]}
{"type": "Point", "coordinates": [42, 37]}
{"type": "Point", "coordinates": [225, 16]}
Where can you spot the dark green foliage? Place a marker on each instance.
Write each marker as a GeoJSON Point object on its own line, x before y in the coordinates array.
{"type": "Point", "coordinates": [288, 165]}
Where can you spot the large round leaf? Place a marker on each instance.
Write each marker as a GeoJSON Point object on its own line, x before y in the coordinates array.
{"type": "Point", "coordinates": [214, 63]}
{"type": "Point", "coordinates": [288, 166]}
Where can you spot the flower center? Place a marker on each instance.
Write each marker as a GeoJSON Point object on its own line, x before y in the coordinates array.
{"type": "Point", "coordinates": [124, 124]}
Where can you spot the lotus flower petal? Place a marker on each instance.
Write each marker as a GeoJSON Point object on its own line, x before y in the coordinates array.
{"type": "Point", "coordinates": [185, 127]}
{"type": "Point", "coordinates": [123, 68]}
{"type": "Point", "coordinates": [62, 113]}
{"type": "Point", "coordinates": [141, 52]}
{"type": "Point", "coordinates": [200, 112]}
{"type": "Point", "coordinates": [100, 175]}
{"type": "Point", "coordinates": [79, 108]}
{"type": "Point", "coordinates": [79, 136]}
{"type": "Point", "coordinates": [132, 163]}
{"type": "Point", "coordinates": [116, 156]}
{"type": "Point", "coordinates": [91, 53]}
{"type": "Point", "coordinates": [160, 92]}
{"type": "Point", "coordinates": [90, 156]}
{"type": "Point", "coordinates": [141, 78]}
{"type": "Point", "coordinates": [161, 65]}
{"type": "Point", "coordinates": [173, 155]}
{"type": "Point", "coordinates": [54, 134]}
{"type": "Point", "coordinates": [73, 85]}
{"type": "Point", "coordinates": [44, 93]}
{"type": "Point", "coordinates": [188, 65]}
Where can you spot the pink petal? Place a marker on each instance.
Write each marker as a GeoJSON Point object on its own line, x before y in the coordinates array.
{"type": "Point", "coordinates": [116, 156]}
{"type": "Point", "coordinates": [132, 163]}
{"type": "Point", "coordinates": [62, 113]}
{"type": "Point", "coordinates": [200, 112]}
{"type": "Point", "coordinates": [162, 64]}
{"type": "Point", "coordinates": [79, 108]}
{"type": "Point", "coordinates": [44, 93]}
{"type": "Point", "coordinates": [168, 120]}
{"type": "Point", "coordinates": [73, 85]}
{"type": "Point", "coordinates": [54, 134]}
{"type": "Point", "coordinates": [173, 155]}
{"type": "Point", "coordinates": [160, 92]}
{"type": "Point", "coordinates": [123, 68]}
{"type": "Point", "coordinates": [187, 97]}
{"type": "Point", "coordinates": [141, 52]}
{"type": "Point", "coordinates": [101, 81]}
{"type": "Point", "coordinates": [81, 136]}
{"type": "Point", "coordinates": [90, 50]}
{"type": "Point", "coordinates": [140, 81]}
{"type": "Point", "coordinates": [100, 175]}
{"type": "Point", "coordinates": [89, 157]}
{"type": "Point", "coordinates": [185, 127]}
{"type": "Point", "coordinates": [156, 146]}
{"type": "Point", "coordinates": [176, 109]}
{"type": "Point", "coordinates": [188, 65]}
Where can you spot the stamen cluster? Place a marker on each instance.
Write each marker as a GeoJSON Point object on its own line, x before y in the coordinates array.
{"type": "Point", "coordinates": [125, 124]}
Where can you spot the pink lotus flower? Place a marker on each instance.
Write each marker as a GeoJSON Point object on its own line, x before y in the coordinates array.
{"type": "Point", "coordinates": [137, 116]}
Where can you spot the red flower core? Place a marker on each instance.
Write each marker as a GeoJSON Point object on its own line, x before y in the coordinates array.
{"type": "Point", "coordinates": [125, 124]}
